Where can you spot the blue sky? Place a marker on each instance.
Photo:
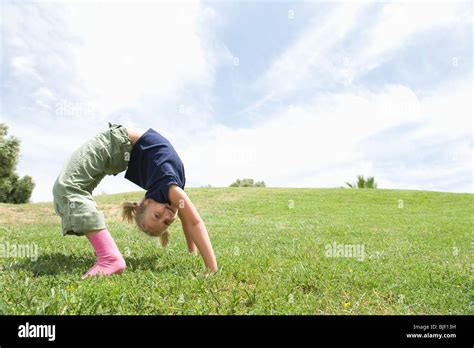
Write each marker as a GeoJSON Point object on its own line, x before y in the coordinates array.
{"type": "Point", "coordinates": [298, 94]}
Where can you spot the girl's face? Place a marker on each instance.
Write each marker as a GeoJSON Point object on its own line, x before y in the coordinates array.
{"type": "Point", "coordinates": [158, 216]}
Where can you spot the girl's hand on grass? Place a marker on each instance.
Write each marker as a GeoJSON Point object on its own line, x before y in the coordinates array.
{"type": "Point", "coordinates": [210, 273]}
{"type": "Point", "coordinates": [205, 274]}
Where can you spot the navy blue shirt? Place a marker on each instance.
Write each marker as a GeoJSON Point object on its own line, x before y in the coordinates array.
{"type": "Point", "coordinates": [154, 165]}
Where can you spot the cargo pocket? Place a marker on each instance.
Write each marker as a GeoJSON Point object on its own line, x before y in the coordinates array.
{"type": "Point", "coordinates": [86, 222]}
{"type": "Point", "coordinates": [121, 149]}
{"type": "Point", "coordinates": [66, 225]}
{"type": "Point", "coordinates": [62, 208]}
{"type": "Point", "coordinates": [66, 217]}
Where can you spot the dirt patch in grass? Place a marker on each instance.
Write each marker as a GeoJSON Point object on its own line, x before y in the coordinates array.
{"type": "Point", "coordinates": [25, 215]}
{"type": "Point", "coordinates": [111, 210]}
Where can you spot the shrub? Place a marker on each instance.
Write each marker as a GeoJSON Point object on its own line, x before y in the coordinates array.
{"type": "Point", "coordinates": [12, 188]}
{"type": "Point", "coordinates": [247, 183]}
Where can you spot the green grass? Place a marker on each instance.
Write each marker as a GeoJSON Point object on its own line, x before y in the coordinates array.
{"type": "Point", "coordinates": [271, 257]}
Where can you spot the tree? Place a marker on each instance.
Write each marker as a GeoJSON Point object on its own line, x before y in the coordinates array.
{"type": "Point", "coordinates": [247, 183]}
{"type": "Point", "coordinates": [363, 183]}
{"type": "Point", "coordinates": [12, 188]}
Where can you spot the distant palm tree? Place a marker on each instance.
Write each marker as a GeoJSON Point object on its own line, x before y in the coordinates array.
{"type": "Point", "coordinates": [363, 183]}
{"type": "Point", "coordinates": [370, 183]}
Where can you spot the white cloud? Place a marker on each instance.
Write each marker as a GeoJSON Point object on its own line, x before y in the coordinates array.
{"type": "Point", "coordinates": [319, 144]}
{"type": "Point", "coordinates": [128, 50]}
{"type": "Point", "coordinates": [397, 23]}
{"type": "Point", "coordinates": [142, 57]}
{"type": "Point", "coordinates": [25, 65]}
{"type": "Point", "coordinates": [315, 58]}
{"type": "Point", "coordinates": [309, 53]}
{"type": "Point", "coordinates": [448, 110]}
{"type": "Point", "coordinates": [93, 59]}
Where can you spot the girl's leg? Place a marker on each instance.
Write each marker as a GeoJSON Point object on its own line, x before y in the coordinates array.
{"type": "Point", "coordinates": [109, 258]}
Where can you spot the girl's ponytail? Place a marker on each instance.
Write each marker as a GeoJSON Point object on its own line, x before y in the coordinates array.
{"type": "Point", "coordinates": [164, 238]}
{"type": "Point", "coordinates": [129, 211]}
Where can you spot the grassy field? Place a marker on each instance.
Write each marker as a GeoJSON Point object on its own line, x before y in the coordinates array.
{"type": "Point", "coordinates": [275, 249]}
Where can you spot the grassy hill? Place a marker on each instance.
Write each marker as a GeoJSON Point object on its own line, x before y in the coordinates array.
{"type": "Point", "coordinates": [279, 252]}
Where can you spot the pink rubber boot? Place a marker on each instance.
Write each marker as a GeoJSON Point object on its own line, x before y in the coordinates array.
{"type": "Point", "coordinates": [109, 258]}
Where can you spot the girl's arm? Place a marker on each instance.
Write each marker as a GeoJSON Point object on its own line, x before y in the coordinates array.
{"type": "Point", "coordinates": [189, 240]}
{"type": "Point", "coordinates": [193, 226]}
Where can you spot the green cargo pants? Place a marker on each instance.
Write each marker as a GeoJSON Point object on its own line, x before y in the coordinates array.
{"type": "Point", "coordinates": [107, 153]}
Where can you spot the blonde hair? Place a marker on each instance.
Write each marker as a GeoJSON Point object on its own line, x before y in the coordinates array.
{"type": "Point", "coordinates": [134, 211]}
